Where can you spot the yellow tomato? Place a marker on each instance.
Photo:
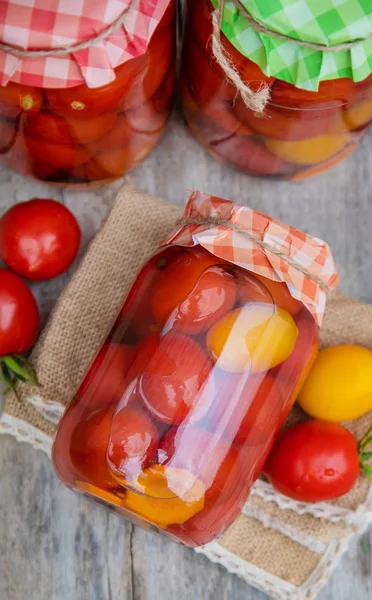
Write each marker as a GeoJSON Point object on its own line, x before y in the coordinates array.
{"type": "Point", "coordinates": [310, 151]}
{"type": "Point", "coordinates": [358, 115]}
{"type": "Point", "coordinates": [256, 337]}
{"type": "Point", "coordinates": [339, 387]}
{"type": "Point", "coordinates": [169, 495]}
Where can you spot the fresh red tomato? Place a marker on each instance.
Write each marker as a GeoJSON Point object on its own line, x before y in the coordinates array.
{"type": "Point", "coordinates": [172, 384]}
{"type": "Point", "coordinates": [133, 442]}
{"type": "Point", "coordinates": [210, 459]}
{"type": "Point", "coordinates": [39, 239]}
{"type": "Point", "coordinates": [106, 380]}
{"type": "Point", "coordinates": [212, 297]}
{"type": "Point", "coordinates": [314, 461]}
{"type": "Point", "coordinates": [88, 446]}
{"type": "Point", "coordinates": [178, 278]}
{"type": "Point", "coordinates": [19, 315]}
{"type": "Point", "coordinates": [20, 98]}
{"type": "Point", "coordinates": [84, 102]}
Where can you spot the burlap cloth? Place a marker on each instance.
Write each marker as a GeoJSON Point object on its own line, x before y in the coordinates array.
{"type": "Point", "coordinates": [285, 548]}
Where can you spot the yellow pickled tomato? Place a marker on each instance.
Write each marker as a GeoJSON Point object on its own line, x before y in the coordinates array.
{"type": "Point", "coordinates": [253, 337]}
{"type": "Point", "coordinates": [358, 115]}
{"type": "Point", "coordinates": [339, 386]}
{"type": "Point", "coordinates": [169, 495]}
{"type": "Point", "coordinates": [310, 151]}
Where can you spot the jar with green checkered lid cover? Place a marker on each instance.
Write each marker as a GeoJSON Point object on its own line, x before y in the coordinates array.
{"type": "Point", "coordinates": [279, 88]}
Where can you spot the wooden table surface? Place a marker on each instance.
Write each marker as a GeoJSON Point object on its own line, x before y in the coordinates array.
{"type": "Point", "coordinates": [55, 545]}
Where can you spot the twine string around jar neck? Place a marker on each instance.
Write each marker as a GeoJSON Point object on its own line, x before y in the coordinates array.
{"type": "Point", "coordinates": [218, 221]}
{"type": "Point", "coordinates": [62, 51]}
{"type": "Point", "coordinates": [257, 100]}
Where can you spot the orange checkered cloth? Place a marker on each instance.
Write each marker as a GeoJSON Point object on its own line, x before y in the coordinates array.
{"type": "Point", "coordinates": [52, 24]}
{"type": "Point", "coordinates": [262, 245]}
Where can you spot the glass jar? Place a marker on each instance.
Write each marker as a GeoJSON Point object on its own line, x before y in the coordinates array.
{"type": "Point", "coordinates": [299, 134]}
{"type": "Point", "coordinates": [84, 134]}
{"type": "Point", "coordinates": [175, 417]}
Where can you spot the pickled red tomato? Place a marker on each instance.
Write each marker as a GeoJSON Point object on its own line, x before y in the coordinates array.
{"type": "Point", "coordinates": [136, 311]}
{"type": "Point", "coordinates": [253, 337]}
{"type": "Point", "coordinates": [133, 442]}
{"type": "Point", "coordinates": [278, 293]}
{"type": "Point", "coordinates": [88, 447]}
{"type": "Point", "coordinates": [213, 296]}
{"type": "Point", "coordinates": [59, 156]}
{"type": "Point", "coordinates": [71, 130]}
{"type": "Point", "coordinates": [16, 98]}
{"type": "Point", "coordinates": [172, 384]}
{"type": "Point", "coordinates": [246, 154]}
{"type": "Point", "coordinates": [106, 379]}
{"type": "Point", "coordinates": [178, 278]}
{"type": "Point", "coordinates": [334, 92]}
{"type": "Point", "coordinates": [84, 102]}
{"type": "Point", "coordinates": [290, 124]}
{"type": "Point", "coordinates": [210, 459]}
{"type": "Point", "coordinates": [169, 495]}
{"type": "Point", "coordinates": [246, 409]}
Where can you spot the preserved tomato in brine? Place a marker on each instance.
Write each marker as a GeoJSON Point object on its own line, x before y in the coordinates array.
{"type": "Point", "coordinates": [177, 413]}
{"type": "Point", "coordinates": [299, 133]}
{"type": "Point", "coordinates": [83, 133]}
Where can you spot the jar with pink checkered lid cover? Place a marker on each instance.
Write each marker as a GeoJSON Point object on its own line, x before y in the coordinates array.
{"type": "Point", "coordinates": [86, 86]}
{"type": "Point", "coordinates": [176, 415]}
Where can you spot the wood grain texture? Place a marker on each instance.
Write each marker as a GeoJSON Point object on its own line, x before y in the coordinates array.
{"type": "Point", "coordinates": [55, 545]}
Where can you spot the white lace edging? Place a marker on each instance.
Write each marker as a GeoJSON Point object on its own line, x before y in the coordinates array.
{"type": "Point", "coordinates": [356, 518]}
{"type": "Point", "coordinates": [49, 409]}
{"type": "Point", "coordinates": [24, 432]}
{"type": "Point", "coordinates": [264, 581]}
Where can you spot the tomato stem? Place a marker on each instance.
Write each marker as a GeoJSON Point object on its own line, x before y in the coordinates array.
{"type": "Point", "coordinates": [14, 368]}
{"type": "Point", "coordinates": [364, 457]}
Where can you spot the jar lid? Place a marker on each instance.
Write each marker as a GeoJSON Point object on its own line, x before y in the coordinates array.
{"type": "Point", "coordinates": [337, 36]}
{"type": "Point", "coordinates": [262, 245]}
{"type": "Point", "coordinates": [110, 31]}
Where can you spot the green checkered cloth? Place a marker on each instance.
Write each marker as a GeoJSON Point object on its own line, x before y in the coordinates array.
{"type": "Point", "coordinates": [326, 22]}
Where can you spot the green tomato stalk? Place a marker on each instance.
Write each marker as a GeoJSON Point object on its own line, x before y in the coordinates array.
{"type": "Point", "coordinates": [14, 368]}
{"type": "Point", "coordinates": [365, 455]}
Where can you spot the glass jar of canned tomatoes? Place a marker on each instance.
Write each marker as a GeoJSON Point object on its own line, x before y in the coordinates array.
{"type": "Point", "coordinates": [301, 132]}
{"type": "Point", "coordinates": [93, 113]}
{"type": "Point", "coordinates": [177, 413]}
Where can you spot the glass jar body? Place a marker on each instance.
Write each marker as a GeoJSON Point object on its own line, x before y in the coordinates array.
{"type": "Point", "coordinates": [81, 135]}
{"type": "Point", "coordinates": [176, 416]}
{"type": "Point", "coordinates": [300, 134]}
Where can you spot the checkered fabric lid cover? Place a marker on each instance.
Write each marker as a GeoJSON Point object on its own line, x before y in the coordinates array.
{"type": "Point", "coordinates": [310, 253]}
{"type": "Point", "coordinates": [48, 24]}
{"type": "Point", "coordinates": [326, 22]}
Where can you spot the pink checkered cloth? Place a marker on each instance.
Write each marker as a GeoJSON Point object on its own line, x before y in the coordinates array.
{"type": "Point", "coordinates": [309, 253]}
{"type": "Point", "coordinates": [50, 24]}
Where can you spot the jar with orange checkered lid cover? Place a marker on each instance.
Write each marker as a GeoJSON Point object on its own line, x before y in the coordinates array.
{"type": "Point", "coordinates": [180, 407]}
{"type": "Point", "coordinates": [278, 89]}
{"type": "Point", "coordinates": [85, 88]}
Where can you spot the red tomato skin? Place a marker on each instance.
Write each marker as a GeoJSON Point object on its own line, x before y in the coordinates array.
{"type": "Point", "coordinates": [314, 461]}
{"type": "Point", "coordinates": [88, 447]}
{"type": "Point", "coordinates": [133, 442]}
{"type": "Point", "coordinates": [212, 297]}
{"type": "Point", "coordinates": [209, 458]}
{"type": "Point", "coordinates": [178, 278]}
{"type": "Point", "coordinates": [39, 239]}
{"type": "Point", "coordinates": [19, 315]}
{"type": "Point", "coordinates": [106, 379]}
{"type": "Point", "coordinates": [171, 386]}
